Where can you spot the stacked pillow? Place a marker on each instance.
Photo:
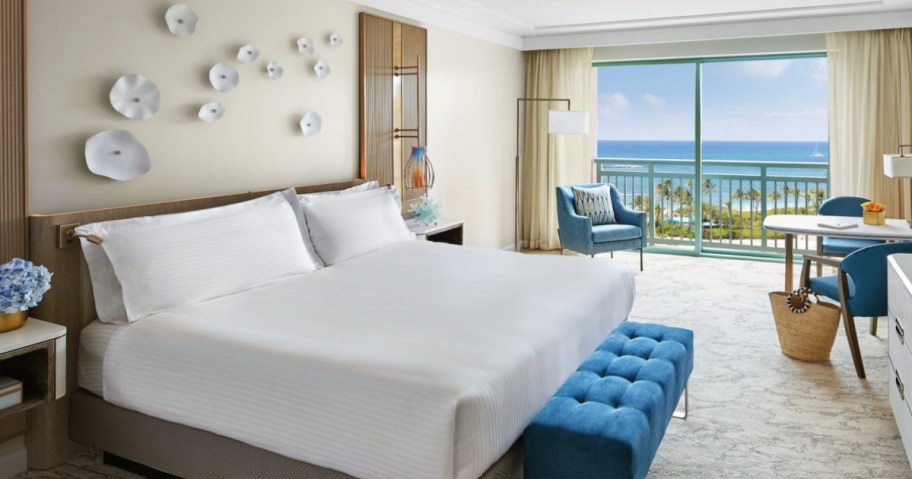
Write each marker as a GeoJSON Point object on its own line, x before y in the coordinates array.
{"type": "Point", "coordinates": [152, 264]}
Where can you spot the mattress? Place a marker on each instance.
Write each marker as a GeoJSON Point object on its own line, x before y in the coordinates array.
{"type": "Point", "coordinates": [420, 360]}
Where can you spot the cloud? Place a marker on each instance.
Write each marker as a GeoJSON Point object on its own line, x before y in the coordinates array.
{"type": "Point", "coordinates": [767, 69]}
{"type": "Point", "coordinates": [613, 105]}
{"type": "Point", "coordinates": [654, 100]}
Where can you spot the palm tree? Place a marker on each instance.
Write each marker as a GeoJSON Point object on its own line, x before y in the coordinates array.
{"type": "Point", "coordinates": [786, 191]}
{"type": "Point", "coordinates": [641, 203]}
{"type": "Point", "coordinates": [775, 196]}
{"type": "Point", "coordinates": [664, 189]}
{"type": "Point", "coordinates": [755, 197]}
{"type": "Point", "coordinates": [709, 187]}
{"type": "Point", "coordinates": [796, 191]}
{"type": "Point", "coordinates": [816, 195]}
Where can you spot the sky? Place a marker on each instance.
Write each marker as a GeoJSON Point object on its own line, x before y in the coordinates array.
{"type": "Point", "coordinates": [758, 100]}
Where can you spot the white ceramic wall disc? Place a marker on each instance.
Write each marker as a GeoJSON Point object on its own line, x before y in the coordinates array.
{"type": "Point", "coordinates": [248, 54]}
{"type": "Point", "coordinates": [224, 78]}
{"type": "Point", "coordinates": [322, 69]}
{"type": "Point", "coordinates": [305, 46]}
{"type": "Point", "coordinates": [117, 154]}
{"type": "Point", "coordinates": [135, 97]}
{"type": "Point", "coordinates": [211, 111]}
{"type": "Point", "coordinates": [181, 20]}
{"type": "Point", "coordinates": [311, 123]}
{"type": "Point", "coordinates": [274, 70]}
{"type": "Point", "coordinates": [335, 40]}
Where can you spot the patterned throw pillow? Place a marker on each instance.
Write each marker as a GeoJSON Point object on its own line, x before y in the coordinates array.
{"type": "Point", "coordinates": [594, 203]}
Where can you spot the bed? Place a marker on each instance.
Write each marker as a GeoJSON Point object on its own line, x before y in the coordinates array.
{"type": "Point", "coordinates": [416, 360]}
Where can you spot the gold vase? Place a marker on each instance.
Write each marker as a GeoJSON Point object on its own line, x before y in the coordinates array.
{"type": "Point", "coordinates": [874, 217]}
{"type": "Point", "coordinates": [9, 322]}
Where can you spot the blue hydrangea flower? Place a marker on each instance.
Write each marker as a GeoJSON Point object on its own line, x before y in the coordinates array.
{"type": "Point", "coordinates": [22, 285]}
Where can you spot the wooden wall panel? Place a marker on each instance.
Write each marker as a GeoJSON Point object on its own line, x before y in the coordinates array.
{"type": "Point", "coordinates": [13, 155]}
{"type": "Point", "coordinates": [414, 108]}
{"type": "Point", "coordinates": [389, 102]}
{"type": "Point", "coordinates": [376, 65]}
{"type": "Point", "coordinates": [13, 225]}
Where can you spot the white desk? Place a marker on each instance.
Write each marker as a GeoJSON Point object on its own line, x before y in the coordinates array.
{"type": "Point", "coordinates": [808, 224]}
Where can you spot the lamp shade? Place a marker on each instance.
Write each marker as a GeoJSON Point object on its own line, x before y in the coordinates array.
{"type": "Point", "coordinates": [897, 166]}
{"type": "Point", "coordinates": [568, 122]}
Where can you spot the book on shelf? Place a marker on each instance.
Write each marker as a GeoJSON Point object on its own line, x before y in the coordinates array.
{"type": "Point", "coordinates": [837, 225]}
{"type": "Point", "coordinates": [10, 392]}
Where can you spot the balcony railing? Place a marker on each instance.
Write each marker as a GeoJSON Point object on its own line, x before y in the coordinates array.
{"type": "Point", "coordinates": [734, 199]}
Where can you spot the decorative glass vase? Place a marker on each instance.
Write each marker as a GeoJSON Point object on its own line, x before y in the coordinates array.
{"type": "Point", "coordinates": [9, 322]}
{"type": "Point", "coordinates": [874, 217]}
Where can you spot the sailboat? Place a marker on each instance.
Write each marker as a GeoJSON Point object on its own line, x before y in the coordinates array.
{"type": "Point", "coordinates": [816, 153]}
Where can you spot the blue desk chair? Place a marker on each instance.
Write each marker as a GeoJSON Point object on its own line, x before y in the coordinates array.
{"type": "Point", "coordinates": [577, 233]}
{"type": "Point", "coordinates": [860, 286]}
{"type": "Point", "coordinates": [842, 206]}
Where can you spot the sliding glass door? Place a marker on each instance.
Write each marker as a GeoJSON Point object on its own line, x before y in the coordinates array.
{"type": "Point", "coordinates": [710, 147]}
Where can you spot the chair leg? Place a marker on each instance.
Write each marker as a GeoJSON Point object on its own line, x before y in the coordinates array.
{"type": "Point", "coordinates": [612, 254]}
{"type": "Point", "coordinates": [874, 326]}
{"type": "Point", "coordinates": [848, 322]}
{"type": "Point", "coordinates": [592, 255]}
{"type": "Point", "coordinates": [819, 253]}
{"type": "Point", "coordinates": [562, 251]}
{"type": "Point", "coordinates": [641, 259]}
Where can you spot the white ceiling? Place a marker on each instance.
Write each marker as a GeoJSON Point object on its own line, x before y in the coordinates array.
{"type": "Point", "coordinates": [536, 24]}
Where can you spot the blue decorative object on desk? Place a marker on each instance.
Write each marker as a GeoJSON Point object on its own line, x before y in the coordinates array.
{"type": "Point", "coordinates": [426, 210]}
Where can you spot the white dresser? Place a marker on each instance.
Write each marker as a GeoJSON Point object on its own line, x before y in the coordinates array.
{"type": "Point", "coordinates": [899, 293]}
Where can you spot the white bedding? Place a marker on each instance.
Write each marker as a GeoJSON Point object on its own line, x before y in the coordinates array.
{"type": "Point", "coordinates": [420, 360]}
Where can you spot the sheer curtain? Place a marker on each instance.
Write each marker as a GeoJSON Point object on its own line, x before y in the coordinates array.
{"type": "Point", "coordinates": [552, 160]}
{"type": "Point", "coordinates": [870, 108]}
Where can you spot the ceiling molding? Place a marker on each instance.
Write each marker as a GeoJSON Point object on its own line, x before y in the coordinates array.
{"type": "Point", "coordinates": [492, 26]}
{"type": "Point", "coordinates": [721, 31]}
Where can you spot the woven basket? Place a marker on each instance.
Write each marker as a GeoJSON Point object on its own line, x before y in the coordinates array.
{"type": "Point", "coordinates": [807, 336]}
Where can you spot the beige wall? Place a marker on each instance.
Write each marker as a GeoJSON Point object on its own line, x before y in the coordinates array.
{"type": "Point", "coordinates": [78, 49]}
{"type": "Point", "coordinates": [472, 92]}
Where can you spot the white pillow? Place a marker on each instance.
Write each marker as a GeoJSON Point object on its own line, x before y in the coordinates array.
{"type": "Point", "coordinates": [370, 185]}
{"type": "Point", "coordinates": [343, 227]}
{"type": "Point", "coordinates": [197, 251]}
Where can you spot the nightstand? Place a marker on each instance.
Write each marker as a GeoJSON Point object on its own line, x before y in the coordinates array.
{"type": "Point", "coordinates": [36, 355]}
{"type": "Point", "coordinates": [447, 230]}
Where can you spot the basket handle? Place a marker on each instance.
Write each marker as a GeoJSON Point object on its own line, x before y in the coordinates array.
{"type": "Point", "coordinates": [799, 301]}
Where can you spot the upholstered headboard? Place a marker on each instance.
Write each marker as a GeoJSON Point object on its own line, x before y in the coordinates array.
{"type": "Point", "coordinates": [70, 301]}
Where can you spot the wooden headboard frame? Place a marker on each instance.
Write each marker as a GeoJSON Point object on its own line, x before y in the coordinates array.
{"type": "Point", "coordinates": [70, 302]}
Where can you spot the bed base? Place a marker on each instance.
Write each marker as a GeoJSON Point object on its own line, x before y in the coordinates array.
{"type": "Point", "coordinates": [183, 451]}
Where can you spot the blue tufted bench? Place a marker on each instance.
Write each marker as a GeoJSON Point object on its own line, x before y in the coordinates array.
{"type": "Point", "coordinates": [608, 419]}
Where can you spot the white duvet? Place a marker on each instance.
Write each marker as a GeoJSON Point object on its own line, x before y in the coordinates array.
{"type": "Point", "coordinates": [420, 360]}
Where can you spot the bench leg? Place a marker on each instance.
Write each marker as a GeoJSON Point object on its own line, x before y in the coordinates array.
{"type": "Point", "coordinates": [682, 414]}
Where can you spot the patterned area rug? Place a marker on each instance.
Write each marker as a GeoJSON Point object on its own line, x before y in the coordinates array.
{"type": "Point", "coordinates": [754, 413]}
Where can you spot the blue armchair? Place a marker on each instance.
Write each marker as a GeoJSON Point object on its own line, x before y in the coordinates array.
{"type": "Point", "coordinates": [860, 287]}
{"type": "Point", "coordinates": [577, 233]}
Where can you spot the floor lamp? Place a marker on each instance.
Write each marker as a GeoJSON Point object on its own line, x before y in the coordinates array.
{"type": "Point", "coordinates": [567, 122]}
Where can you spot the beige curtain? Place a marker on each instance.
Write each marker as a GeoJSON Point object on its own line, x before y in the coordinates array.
{"type": "Point", "coordinates": [870, 85]}
{"type": "Point", "coordinates": [552, 160]}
